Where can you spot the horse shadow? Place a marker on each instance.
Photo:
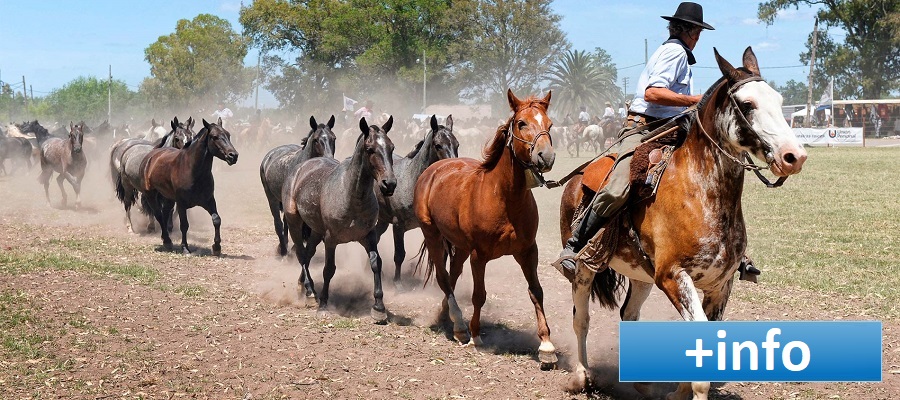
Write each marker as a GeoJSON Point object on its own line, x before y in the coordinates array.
{"type": "Point", "coordinates": [605, 384]}
{"type": "Point", "coordinates": [201, 252]}
{"type": "Point", "coordinates": [81, 208]}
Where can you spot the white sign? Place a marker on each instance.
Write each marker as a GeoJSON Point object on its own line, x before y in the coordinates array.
{"type": "Point", "coordinates": [833, 135]}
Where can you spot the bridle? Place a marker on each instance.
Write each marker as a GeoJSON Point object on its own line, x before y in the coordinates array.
{"type": "Point", "coordinates": [749, 165]}
{"type": "Point", "coordinates": [511, 135]}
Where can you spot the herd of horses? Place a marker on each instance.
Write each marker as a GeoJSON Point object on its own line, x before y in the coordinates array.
{"type": "Point", "coordinates": [687, 237]}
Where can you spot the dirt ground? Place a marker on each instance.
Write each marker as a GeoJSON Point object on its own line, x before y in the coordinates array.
{"type": "Point", "coordinates": [234, 327]}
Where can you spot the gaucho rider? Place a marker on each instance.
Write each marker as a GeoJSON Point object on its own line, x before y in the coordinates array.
{"type": "Point", "coordinates": [663, 91]}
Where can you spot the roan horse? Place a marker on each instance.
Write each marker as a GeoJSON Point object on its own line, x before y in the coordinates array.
{"type": "Point", "coordinates": [397, 210]}
{"type": "Point", "coordinates": [281, 162]}
{"type": "Point", "coordinates": [335, 201]}
{"type": "Point", "coordinates": [126, 157]}
{"type": "Point", "coordinates": [485, 209]}
{"type": "Point", "coordinates": [183, 177]}
{"type": "Point", "coordinates": [691, 235]}
{"type": "Point", "coordinates": [65, 157]}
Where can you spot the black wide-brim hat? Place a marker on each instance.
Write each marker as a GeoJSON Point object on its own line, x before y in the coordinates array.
{"type": "Point", "coordinates": [691, 13]}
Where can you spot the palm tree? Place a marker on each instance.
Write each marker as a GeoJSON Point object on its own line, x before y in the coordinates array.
{"type": "Point", "coordinates": [577, 80]}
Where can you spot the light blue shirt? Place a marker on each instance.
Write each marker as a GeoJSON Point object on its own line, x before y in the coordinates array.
{"type": "Point", "coordinates": [667, 68]}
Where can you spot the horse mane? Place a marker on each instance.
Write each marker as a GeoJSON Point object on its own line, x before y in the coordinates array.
{"type": "Point", "coordinates": [308, 135]}
{"type": "Point", "coordinates": [416, 149]}
{"type": "Point", "coordinates": [203, 131]}
{"type": "Point", "coordinates": [161, 142]}
{"type": "Point", "coordinates": [494, 150]}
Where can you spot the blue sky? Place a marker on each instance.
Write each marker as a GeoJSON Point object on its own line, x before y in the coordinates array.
{"type": "Point", "coordinates": [54, 42]}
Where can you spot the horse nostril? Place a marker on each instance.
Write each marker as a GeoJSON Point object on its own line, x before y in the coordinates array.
{"type": "Point", "coordinates": [790, 158]}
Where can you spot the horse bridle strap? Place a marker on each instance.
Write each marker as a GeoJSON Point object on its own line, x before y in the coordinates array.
{"type": "Point", "coordinates": [749, 165]}
{"type": "Point", "coordinates": [531, 146]}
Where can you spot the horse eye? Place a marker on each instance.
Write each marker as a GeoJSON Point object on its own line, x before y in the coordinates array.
{"type": "Point", "coordinates": [370, 150]}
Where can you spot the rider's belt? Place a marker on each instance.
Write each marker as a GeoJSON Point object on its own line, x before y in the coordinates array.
{"type": "Point", "coordinates": [635, 120]}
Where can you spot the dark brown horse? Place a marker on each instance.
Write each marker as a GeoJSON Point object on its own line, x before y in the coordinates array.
{"type": "Point", "coordinates": [183, 177]}
{"type": "Point", "coordinates": [65, 157]}
{"type": "Point", "coordinates": [485, 210]}
{"type": "Point", "coordinates": [126, 158]}
{"type": "Point", "coordinates": [690, 236]}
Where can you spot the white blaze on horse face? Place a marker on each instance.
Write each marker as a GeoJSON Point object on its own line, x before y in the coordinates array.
{"type": "Point", "coordinates": [773, 131]}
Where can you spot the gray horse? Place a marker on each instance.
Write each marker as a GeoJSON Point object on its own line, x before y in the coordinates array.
{"type": "Point", "coordinates": [63, 156]}
{"type": "Point", "coordinates": [335, 201]}
{"type": "Point", "coordinates": [125, 160]}
{"type": "Point", "coordinates": [439, 143]}
{"type": "Point", "coordinates": [282, 161]}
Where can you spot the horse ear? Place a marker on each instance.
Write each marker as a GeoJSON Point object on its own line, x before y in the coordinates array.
{"type": "Point", "coordinates": [750, 61]}
{"type": "Point", "coordinates": [547, 97]}
{"type": "Point", "coordinates": [363, 126]}
{"type": "Point", "coordinates": [71, 125]}
{"type": "Point", "coordinates": [727, 69]}
{"type": "Point", "coordinates": [387, 125]}
{"type": "Point", "coordinates": [205, 124]}
{"type": "Point", "coordinates": [434, 124]}
{"type": "Point", "coordinates": [219, 122]}
{"type": "Point", "coordinates": [312, 122]}
{"type": "Point", "coordinates": [175, 123]}
{"type": "Point", "coordinates": [331, 122]}
{"type": "Point", "coordinates": [190, 122]}
{"type": "Point", "coordinates": [513, 100]}
{"type": "Point", "coordinates": [153, 122]}
{"type": "Point", "coordinates": [449, 122]}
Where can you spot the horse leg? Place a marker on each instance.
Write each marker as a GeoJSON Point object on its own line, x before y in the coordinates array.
{"type": "Point", "coordinates": [210, 207]}
{"type": "Point", "coordinates": [76, 186]}
{"type": "Point", "coordinates": [328, 273]}
{"type": "Point", "coordinates": [437, 254]}
{"type": "Point", "coordinates": [305, 254]}
{"type": "Point", "coordinates": [679, 288]}
{"type": "Point", "coordinates": [479, 296]}
{"type": "Point", "coordinates": [183, 223]}
{"type": "Point", "coordinates": [59, 181]}
{"type": "Point", "coordinates": [163, 211]}
{"type": "Point", "coordinates": [581, 321]}
{"type": "Point", "coordinates": [637, 294]}
{"type": "Point", "coordinates": [371, 244]}
{"type": "Point", "coordinates": [528, 261]}
{"type": "Point", "coordinates": [275, 209]}
{"type": "Point", "coordinates": [399, 255]}
{"type": "Point", "coordinates": [714, 302]}
{"type": "Point", "coordinates": [44, 179]}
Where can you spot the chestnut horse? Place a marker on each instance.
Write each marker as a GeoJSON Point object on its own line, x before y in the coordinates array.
{"type": "Point", "coordinates": [65, 157]}
{"type": "Point", "coordinates": [485, 210]}
{"type": "Point", "coordinates": [183, 177]}
{"type": "Point", "coordinates": [690, 236]}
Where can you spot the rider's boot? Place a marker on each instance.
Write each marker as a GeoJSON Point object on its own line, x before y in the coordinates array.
{"type": "Point", "coordinates": [748, 272]}
{"type": "Point", "coordinates": [589, 225]}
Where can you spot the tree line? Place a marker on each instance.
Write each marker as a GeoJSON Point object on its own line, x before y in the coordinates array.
{"type": "Point", "coordinates": [315, 51]}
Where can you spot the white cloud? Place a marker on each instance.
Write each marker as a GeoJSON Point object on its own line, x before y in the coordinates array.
{"type": "Point", "coordinates": [230, 6]}
{"type": "Point", "coordinates": [750, 21]}
{"type": "Point", "coordinates": [766, 46]}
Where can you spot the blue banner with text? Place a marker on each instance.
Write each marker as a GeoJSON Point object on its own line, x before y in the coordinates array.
{"type": "Point", "coordinates": [750, 351]}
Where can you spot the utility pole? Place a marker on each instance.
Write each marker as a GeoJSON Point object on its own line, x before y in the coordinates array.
{"type": "Point", "coordinates": [646, 58]}
{"type": "Point", "coordinates": [31, 89]}
{"type": "Point", "coordinates": [25, 95]}
{"type": "Point", "coordinates": [109, 99]}
{"type": "Point", "coordinates": [256, 100]}
{"type": "Point", "coordinates": [424, 80]}
{"type": "Point", "coordinates": [624, 86]}
{"type": "Point", "coordinates": [812, 63]}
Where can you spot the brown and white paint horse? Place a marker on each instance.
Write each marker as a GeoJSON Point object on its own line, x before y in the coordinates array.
{"type": "Point", "coordinates": [692, 234]}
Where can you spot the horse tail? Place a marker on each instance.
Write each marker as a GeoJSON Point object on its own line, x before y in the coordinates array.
{"type": "Point", "coordinates": [605, 287]}
{"type": "Point", "coordinates": [421, 256]}
{"type": "Point", "coordinates": [146, 206]}
{"type": "Point", "coordinates": [124, 196]}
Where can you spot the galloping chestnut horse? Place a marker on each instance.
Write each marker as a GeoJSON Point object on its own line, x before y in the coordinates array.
{"type": "Point", "coordinates": [281, 162]}
{"type": "Point", "coordinates": [65, 157]}
{"type": "Point", "coordinates": [397, 210]}
{"type": "Point", "coordinates": [335, 202]}
{"type": "Point", "coordinates": [485, 209]}
{"type": "Point", "coordinates": [692, 233]}
{"type": "Point", "coordinates": [184, 177]}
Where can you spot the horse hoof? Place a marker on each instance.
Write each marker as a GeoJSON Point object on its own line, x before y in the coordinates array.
{"type": "Point", "coordinates": [186, 251]}
{"type": "Point", "coordinates": [462, 337]}
{"type": "Point", "coordinates": [217, 250]}
{"type": "Point", "coordinates": [323, 314]}
{"type": "Point", "coordinates": [578, 383]}
{"type": "Point", "coordinates": [648, 389]}
{"type": "Point", "coordinates": [380, 317]}
{"type": "Point", "coordinates": [167, 246]}
{"type": "Point", "coordinates": [548, 360]}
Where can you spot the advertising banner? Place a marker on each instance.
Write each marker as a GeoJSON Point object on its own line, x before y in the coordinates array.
{"type": "Point", "coordinates": [833, 135]}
